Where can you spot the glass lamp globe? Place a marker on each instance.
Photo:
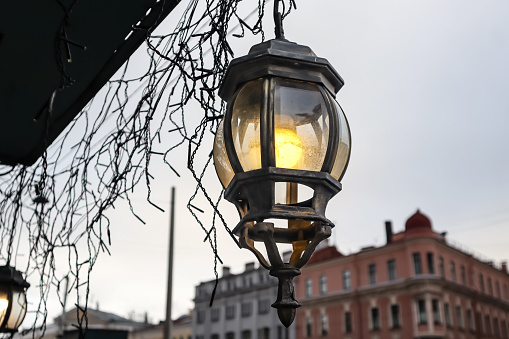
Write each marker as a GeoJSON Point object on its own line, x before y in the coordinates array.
{"type": "Point", "coordinates": [13, 303]}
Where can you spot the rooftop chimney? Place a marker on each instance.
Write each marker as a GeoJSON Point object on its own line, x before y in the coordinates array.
{"type": "Point", "coordinates": [388, 231]}
{"type": "Point", "coordinates": [250, 266]}
{"type": "Point", "coordinates": [226, 271]}
{"type": "Point", "coordinates": [504, 266]}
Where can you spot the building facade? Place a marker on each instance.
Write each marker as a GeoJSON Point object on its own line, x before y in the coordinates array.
{"type": "Point", "coordinates": [100, 325]}
{"type": "Point", "coordinates": [415, 286]}
{"type": "Point", "coordinates": [181, 328]}
{"type": "Point", "coordinates": [241, 309]}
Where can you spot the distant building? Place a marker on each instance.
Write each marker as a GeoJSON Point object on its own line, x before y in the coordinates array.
{"type": "Point", "coordinates": [241, 308]}
{"type": "Point", "coordinates": [101, 325]}
{"type": "Point", "coordinates": [181, 329]}
{"type": "Point", "coordinates": [416, 286]}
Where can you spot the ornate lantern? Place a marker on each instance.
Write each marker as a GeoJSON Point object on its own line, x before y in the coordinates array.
{"type": "Point", "coordinates": [13, 303]}
{"type": "Point", "coordinates": [283, 135]}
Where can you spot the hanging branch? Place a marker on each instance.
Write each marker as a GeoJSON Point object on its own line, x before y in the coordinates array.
{"type": "Point", "coordinates": [57, 206]}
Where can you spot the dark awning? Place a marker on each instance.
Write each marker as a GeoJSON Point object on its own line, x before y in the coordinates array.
{"type": "Point", "coordinates": [32, 38]}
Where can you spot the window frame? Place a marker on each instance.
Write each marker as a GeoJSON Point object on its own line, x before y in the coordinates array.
{"type": "Point", "coordinates": [347, 279]}
{"type": "Point", "coordinates": [422, 317]}
{"type": "Point", "coordinates": [453, 271]}
{"type": "Point", "coordinates": [322, 284]}
{"type": "Point", "coordinates": [375, 318]}
{"type": "Point", "coordinates": [392, 273]}
{"type": "Point", "coordinates": [230, 312]}
{"type": "Point", "coordinates": [348, 322]}
{"type": "Point", "coordinates": [308, 287]}
{"type": "Point", "coordinates": [215, 314]}
{"type": "Point", "coordinates": [324, 325]}
{"type": "Point", "coordinates": [459, 317]}
{"type": "Point", "coordinates": [447, 315]}
{"type": "Point", "coordinates": [309, 327]}
{"type": "Point", "coordinates": [246, 309]}
{"type": "Point", "coordinates": [463, 275]}
{"type": "Point", "coordinates": [372, 274]}
{"type": "Point", "coordinates": [395, 321]}
{"type": "Point", "coordinates": [416, 257]}
{"type": "Point", "coordinates": [430, 256]}
{"type": "Point", "coordinates": [435, 309]}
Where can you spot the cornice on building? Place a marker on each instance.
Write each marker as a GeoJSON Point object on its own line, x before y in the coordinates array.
{"type": "Point", "coordinates": [429, 282]}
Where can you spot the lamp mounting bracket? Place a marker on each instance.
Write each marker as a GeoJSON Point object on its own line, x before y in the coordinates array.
{"type": "Point", "coordinates": [278, 21]}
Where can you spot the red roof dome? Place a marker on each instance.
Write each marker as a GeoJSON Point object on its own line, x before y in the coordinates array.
{"type": "Point", "coordinates": [326, 253]}
{"type": "Point", "coordinates": [418, 221]}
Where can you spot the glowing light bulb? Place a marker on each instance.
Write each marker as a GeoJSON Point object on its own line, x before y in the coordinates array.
{"type": "Point", "coordinates": [288, 148]}
{"type": "Point", "coordinates": [3, 305]}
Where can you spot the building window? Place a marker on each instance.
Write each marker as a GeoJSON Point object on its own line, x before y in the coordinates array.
{"type": "Point", "coordinates": [391, 269]}
{"type": "Point", "coordinates": [348, 322]}
{"type": "Point", "coordinates": [436, 311]}
{"type": "Point", "coordinates": [309, 287]}
{"type": "Point", "coordinates": [309, 327]}
{"type": "Point", "coordinates": [214, 314]}
{"type": "Point", "coordinates": [504, 329]}
{"type": "Point", "coordinates": [496, 329]}
{"type": "Point", "coordinates": [213, 336]}
{"type": "Point", "coordinates": [324, 324]}
{"type": "Point", "coordinates": [375, 319]}
{"type": "Point", "coordinates": [481, 282]}
{"type": "Point", "coordinates": [230, 335]}
{"type": "Point", "coordinates": [264, 333]}
{"type": "Point", "coordinates": [447, 315]}
{"type": "Point", "coordinates": [246, 334]}
{"type": "Point", "coordinates": [323, 285]}
{"type": "Point", "coordinates": [497, 288]}
{"type": "Point", "coordinates": [347, 283]}
{"type": "Point", "coordinates": [459, 317]}
{"type": "Point", "coordinates": [463, 275]}
{"type": "Point", "coordinates": [417, 263]}
{"type": "Point", "coordinates": [442, 267]}
{"type": "Point", "coordinates": [395, 316]}
{"type": "Point", "coordinates": [263, 306]}
{"type": "Point", "coordinates": [487, 324]}
{"type": "Point", "coordinates": [200, 316]}
{"type": "Point", "coordinates": [248, 281]}
{"type": "Point", "coordinates": [372, 273]}
{"type": "Point", "coordinates": [470, 321]}
{"type": "Point", "coordinates": [421, 311]}
{"type": "Point", "coordinates": [230, 311]}
{"type": "Point", "coordinates": [490, 287]}
{"type": "Point", "coordinates": [246, 309]}
{"type": "Point", "coordinates": [431, 263]}
{"type": "Point", "coordinates": [453, 271]}
{"type": "Point", "coordinates": [282, 333]}
{"type": "Point", "coordinates": [506, 295]}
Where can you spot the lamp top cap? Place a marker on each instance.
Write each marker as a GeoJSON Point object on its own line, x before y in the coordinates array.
{"type": "Point", "coordinates": [281, 58]}
{"type": "Point", "coordinates": [12, 276]}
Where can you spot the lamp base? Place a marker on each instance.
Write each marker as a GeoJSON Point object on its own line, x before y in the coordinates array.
{"type": "Point", "coordinates": [285, 304]}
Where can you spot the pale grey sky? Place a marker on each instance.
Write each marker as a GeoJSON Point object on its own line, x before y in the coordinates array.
{"type": "Point", "coordinates": [426, 95]}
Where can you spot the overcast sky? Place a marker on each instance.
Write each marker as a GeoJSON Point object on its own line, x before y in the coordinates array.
{"type": "Point", "coordinates": [426, 95]}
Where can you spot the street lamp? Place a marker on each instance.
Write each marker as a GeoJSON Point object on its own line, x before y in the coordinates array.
{"type": "Point", "coordinates": [280, 152]}
{"type": "Point", "coordinates": [13, 303]}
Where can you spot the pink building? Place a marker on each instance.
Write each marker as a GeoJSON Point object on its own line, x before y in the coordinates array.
{"type": "Point", "coordinates": [416, 286]}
